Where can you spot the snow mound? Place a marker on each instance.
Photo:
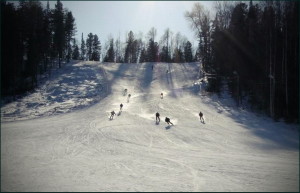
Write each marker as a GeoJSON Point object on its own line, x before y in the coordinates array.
{"type": "Point", "coordinates": [74, 86]}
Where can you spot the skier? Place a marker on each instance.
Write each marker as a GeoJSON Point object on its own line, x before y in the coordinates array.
{"type": "Point", "coordinates": [201, 117]}
{"type": "Point", "coordinates": [157, 117]}
{"type": "Point", "coordinates": [168, 121]}
{"type": "Point", "coordinates": [167, 71]}
{"type": "Point", "coordinates": [112, 114]}
{"type": "Point", "coordinates": [129, 95]}
{"type": "Point", "coordinates": [125, 91]}
{"type": "Point", "coordinates": [161, 95]}
{"type": "Point", "coordinates": [121, 106]}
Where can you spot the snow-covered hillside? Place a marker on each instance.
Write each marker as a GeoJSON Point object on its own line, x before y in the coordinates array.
{"type": "Point", "coordinates": [78, 85]}
{"type": "Point", "coordinates": [44, 148]}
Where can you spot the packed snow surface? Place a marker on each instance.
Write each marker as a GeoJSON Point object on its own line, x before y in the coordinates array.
{"type": "Point", "coordinates": [60, 137]}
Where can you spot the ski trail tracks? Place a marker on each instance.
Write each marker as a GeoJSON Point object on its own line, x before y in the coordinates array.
{"type": "Point", "coordinates": [86, 151]}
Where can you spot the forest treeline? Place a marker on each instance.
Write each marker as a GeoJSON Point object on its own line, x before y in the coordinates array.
{"type": "Point", "coordinates": [254, 49]}
{"type": "Point", "coordinates": [251, 47]}
{"type": "Point", "coordinates": [35, 39]}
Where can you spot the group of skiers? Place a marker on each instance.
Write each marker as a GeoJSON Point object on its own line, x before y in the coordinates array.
{"type": "Point", "coordinates": [167, 119]}
{"type": "Point", "coordinates": [112, 114]}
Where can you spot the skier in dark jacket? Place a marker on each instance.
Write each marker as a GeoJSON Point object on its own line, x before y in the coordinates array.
{"type": "Point", "coordinates": [161, 95]}
{"type": "Point", "coordinates": [112, 114]}
{"type": "Point", "coordinates": [129, 95]}
{"type": "Point", "coordinates": [201, 117]}
{"type": "Point", "coordinates": [157, 117]}
{"type": "Point", "coordinates": [168, 121]}
{"type": "Point", "coordinates": [121, 106]}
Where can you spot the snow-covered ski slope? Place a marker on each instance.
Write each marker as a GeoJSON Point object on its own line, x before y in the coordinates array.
{"type": "Point", "coordinates": [50, 150]}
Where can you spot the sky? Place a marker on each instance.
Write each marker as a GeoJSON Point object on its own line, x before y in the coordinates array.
{"type": "Point", "coordinates": [117, 18]}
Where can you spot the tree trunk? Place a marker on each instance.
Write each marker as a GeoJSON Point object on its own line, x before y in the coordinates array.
{"type": "Point", "coordinates": [271, 77]}
{"type": "Point", "coordinates": [59, 62]}
{"type": "Point", "coordinates": [286, 75]}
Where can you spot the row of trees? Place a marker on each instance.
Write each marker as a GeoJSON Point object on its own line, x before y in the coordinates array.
{"type": "Point", "coordinates": [169, 49]}
{"type": "Point", "coordinates": [37, 39]}
{"type": "Point", "coordinates": [134, 50]}
{"type": "Point", "coordinates": [256, 49]}
{"type": "Point", "coordinates": [32, 38]}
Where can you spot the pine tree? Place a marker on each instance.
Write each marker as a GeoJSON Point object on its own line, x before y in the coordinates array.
{"type": "Point", "coordinates": [82, 48]}
{"type": "Point", "coordinates": [143, 55]}
{"type": "Point", "coordinates": [163, 54]}
{"type": "Point", "coordinates": [110, 55]}
{"type": "Point", "coordinates": [151, 51]}
{"type": "Point", "coordinates": [178, 55]}
{"type": "Point", "coordinates": [188, 53]}
{"type": "Point", "coordinates": [75, 52]}
{"type": "Point", "coordinates": [47, 37]}
{"type": "Point", "coordinates": [89, 46]}
{"type": "Point", "coordinates": [130, 48]}
{"type": "Point", "coordinates": [32, 13]}
{"type": "Point", "coordinates": [59, 35]}
{"type": "Point", "coordinates": [69, 33]}
{"type": "Point", "coordinates": [96, 48]}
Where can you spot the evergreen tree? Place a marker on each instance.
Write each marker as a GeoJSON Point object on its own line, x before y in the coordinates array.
{"type": "Point", "coordinates": [12, 55]}
{"type": "Point", "coordinates": [110, 55]}
{"type": "Point", "coordinates": [33, 37]}
{"type": "Point", "coordinates": [75, 52]}
{"type": "Point", "coordinates": [152, 51]}
{"type": "Point", "coordinates": [59, 35]}
{"type": "Point", "coordinates": [143, 56]}
{"type": "Point", "coordinates": [164, 54]}
{"type": "Point", "coordinates": [135, 51]}
{"type": "Point", "coordinates": [82, 48]}
{"type": "Point", "coordinates": [89, 46]}
{"type": "Point", "coordinates": [46, 43]}
{"type": "Point", "coordinates": [96, 48]}
{"type": "Point", "coordinates": [188, 54]}
{"type": "Point", "coordinates": [69, 33]}
{"type": "Point", "coordinates": [178, 55]}
{"type": "Point", "coordinates": [130, 48]}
